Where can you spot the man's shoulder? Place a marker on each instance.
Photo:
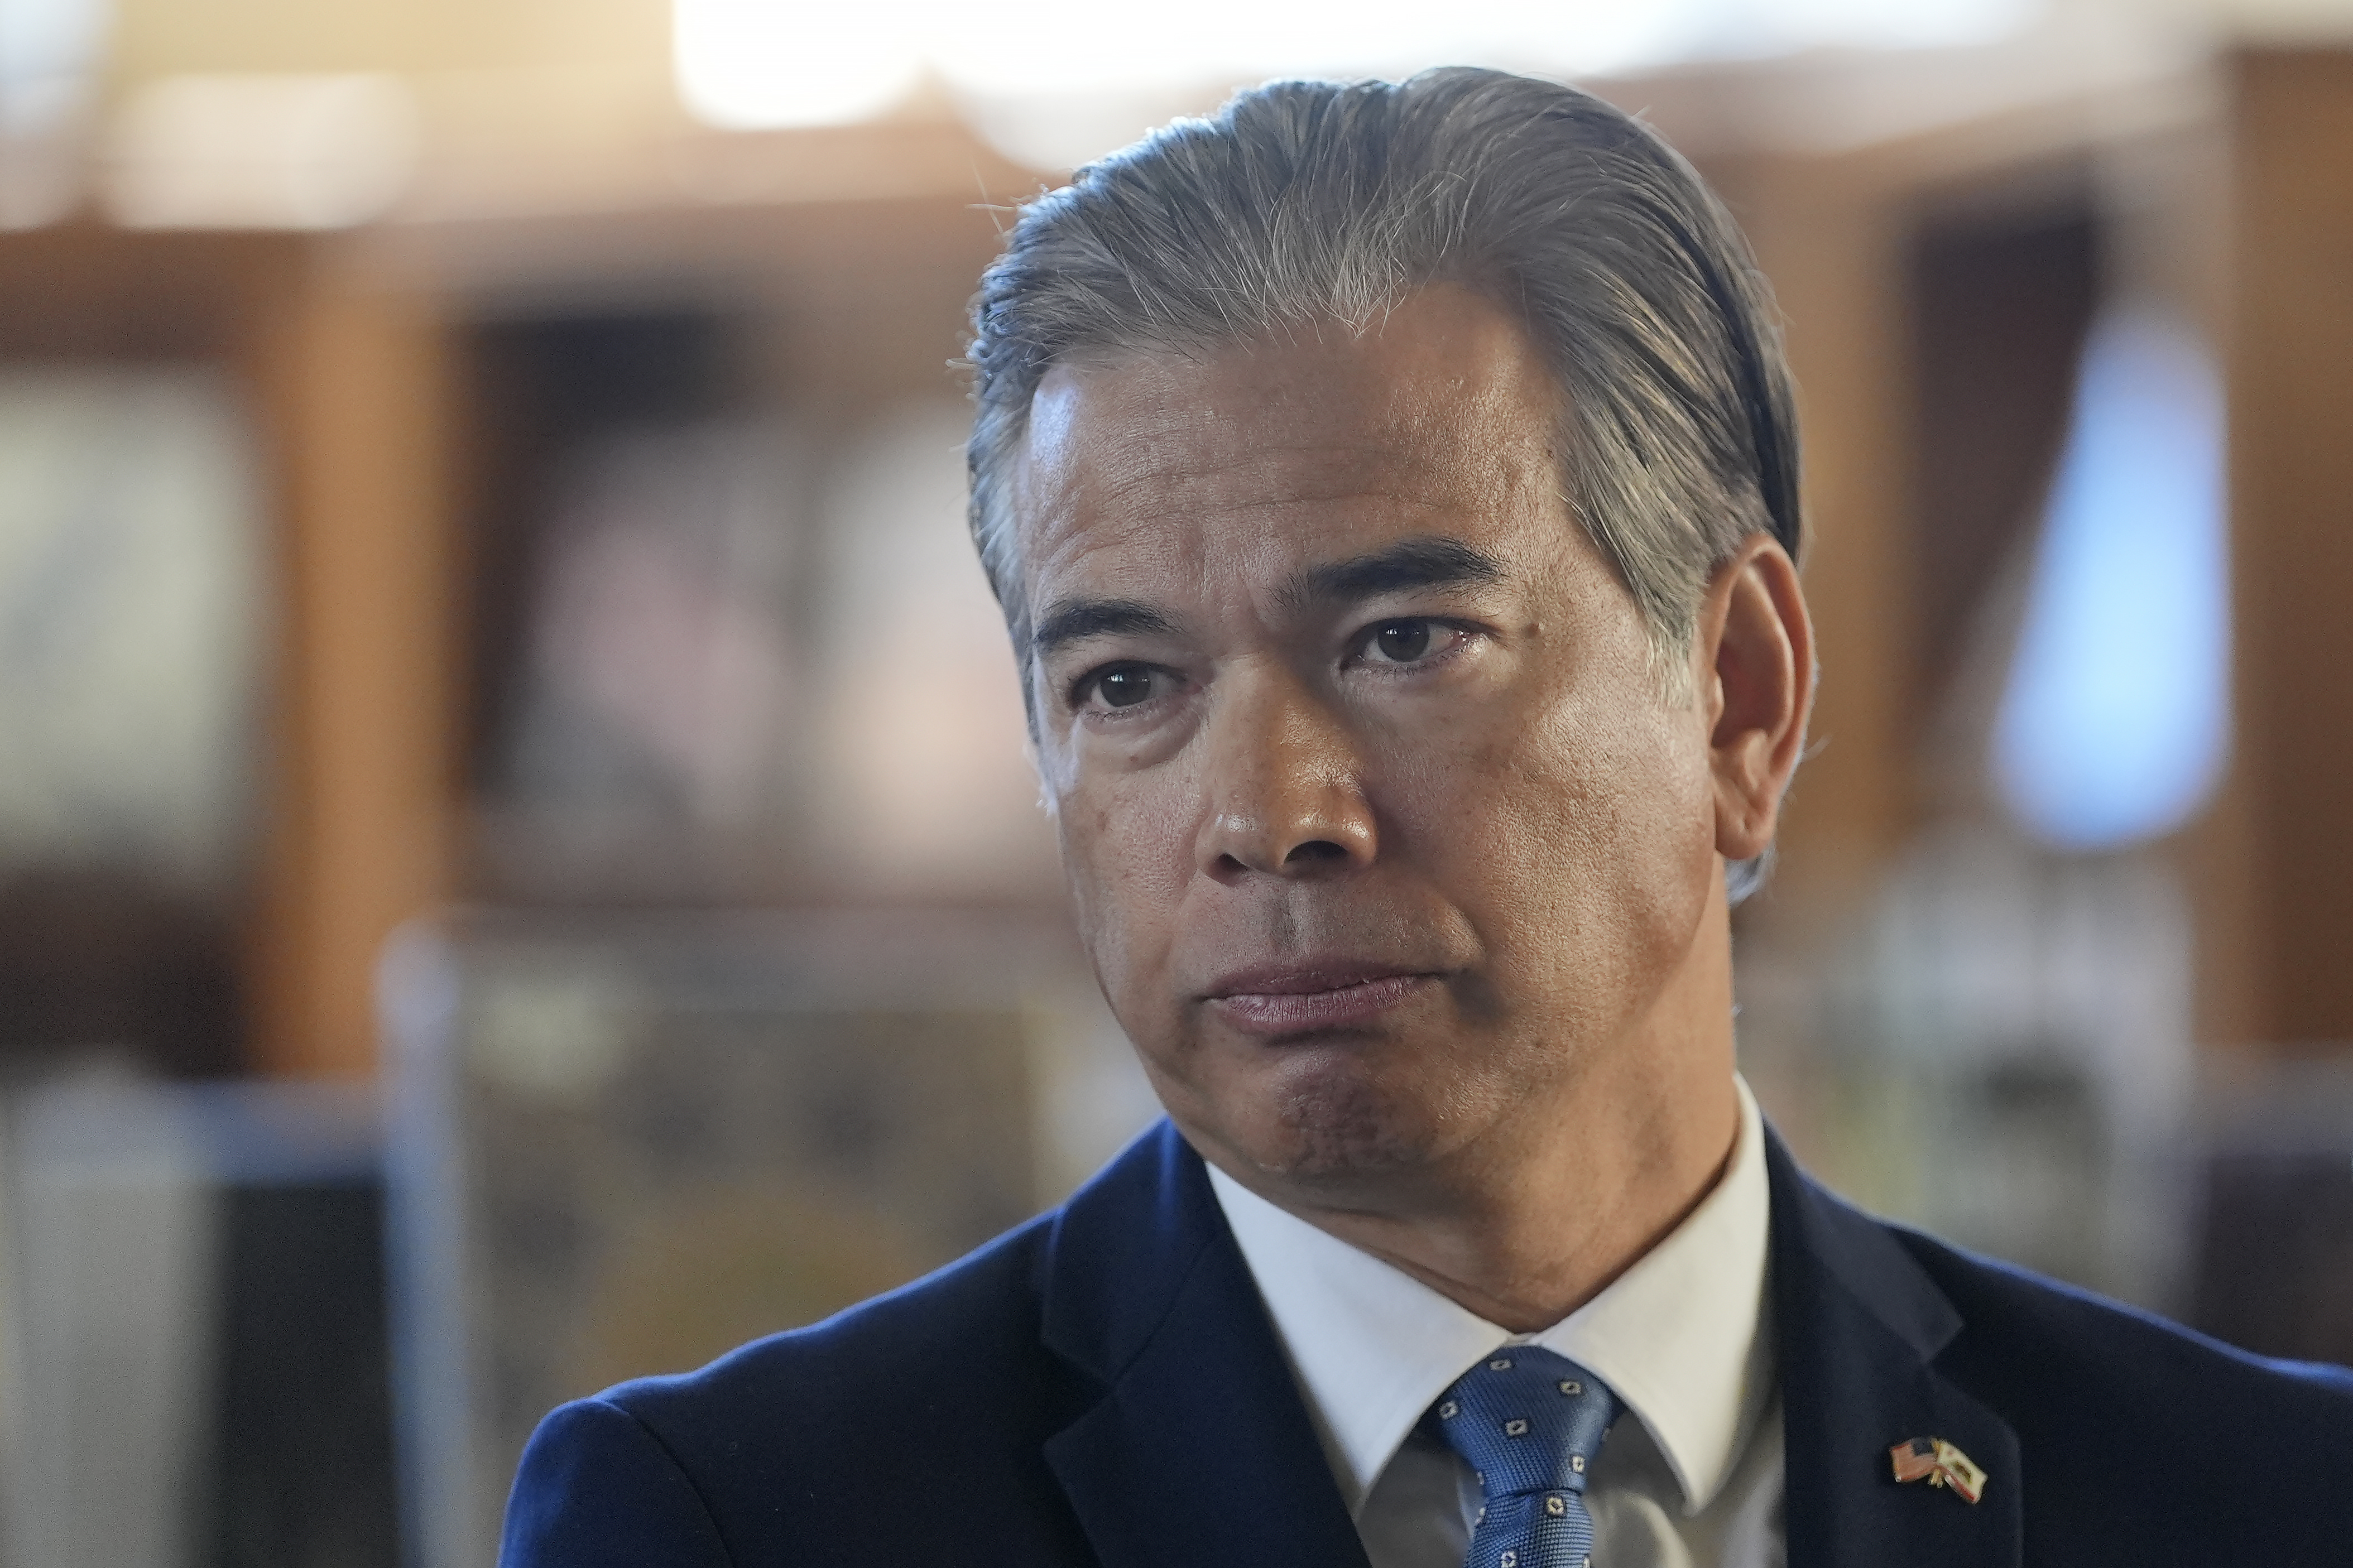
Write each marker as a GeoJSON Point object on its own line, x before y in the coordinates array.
{"type": "Point", "coordinates": [2038, 1351]}
{"type": "Point", "coordinates": [2117, 1410]}
{"type": "Point", "coordinates": [2109, 1435]}
{"type": "Point", "coordinates": [976, 1331]}
{"type": "Point", "coordinates": [769, 1446]}
{"type": "Point", "coordinates": [953, 1337]}
{"type": "Point", "coordinates": [2042, 1335]}
{"type": "Point", "coordinates": [798, 1445]}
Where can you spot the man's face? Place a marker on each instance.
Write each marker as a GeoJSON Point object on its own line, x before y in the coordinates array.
{"type": "Point", "coordinates": [1382, 839]}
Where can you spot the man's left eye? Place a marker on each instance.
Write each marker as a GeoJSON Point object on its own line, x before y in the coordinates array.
{"type": "Point", "coordinates": [1402, 642]}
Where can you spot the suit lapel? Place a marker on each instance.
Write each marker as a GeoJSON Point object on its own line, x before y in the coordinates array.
{"type": "Point", "coordinates": [1200, 1449]}
{"type": "Point", "coordinates": [1860, 1326]}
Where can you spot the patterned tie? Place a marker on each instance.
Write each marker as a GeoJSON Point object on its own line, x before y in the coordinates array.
{"type": "Point", "coordinates": [1530, 1423]}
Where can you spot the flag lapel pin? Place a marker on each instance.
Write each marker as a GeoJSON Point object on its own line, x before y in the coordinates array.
{"type": "Point", "coordinates": [1938, 1463]}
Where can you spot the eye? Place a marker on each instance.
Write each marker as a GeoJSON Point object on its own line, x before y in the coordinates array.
{"type": "Point", "coordinates": [1402, 642]}
{"type": "Point", "coordinates": [1119, 686]}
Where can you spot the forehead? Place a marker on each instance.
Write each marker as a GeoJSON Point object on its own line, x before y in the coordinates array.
{"type": "Point", "coordinates": [1432, 418]}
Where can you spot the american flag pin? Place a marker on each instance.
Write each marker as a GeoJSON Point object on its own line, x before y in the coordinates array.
{"type": "Point", "coordinates": [1938, 1463]}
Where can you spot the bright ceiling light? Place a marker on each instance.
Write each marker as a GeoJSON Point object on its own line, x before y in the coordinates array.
{"type": "Point", "coordinates": [766, 63]}
{"type": "Point", "coordinates": [751, 65]}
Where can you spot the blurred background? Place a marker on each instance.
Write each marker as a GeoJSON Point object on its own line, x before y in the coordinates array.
{"type": "Point", "coordinates": [517, 866]}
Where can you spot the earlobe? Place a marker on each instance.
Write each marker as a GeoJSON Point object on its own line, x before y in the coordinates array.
{"type": "Point", "coordinates": [1758, 645]}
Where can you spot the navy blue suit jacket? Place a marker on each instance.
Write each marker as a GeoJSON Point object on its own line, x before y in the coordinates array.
{"type": "Point", "coordinates": [1103, 1386]}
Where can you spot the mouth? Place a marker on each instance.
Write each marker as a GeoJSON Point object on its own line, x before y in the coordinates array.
{"type": "Point", "coordinates": [1297, 999]}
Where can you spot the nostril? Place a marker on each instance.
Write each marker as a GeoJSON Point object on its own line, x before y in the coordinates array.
{"type": "Point", "coordinates": [1315, 849]}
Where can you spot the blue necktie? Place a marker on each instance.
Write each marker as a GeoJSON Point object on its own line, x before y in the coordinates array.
{"type": "Point", "coordinates": [1530, 1423]}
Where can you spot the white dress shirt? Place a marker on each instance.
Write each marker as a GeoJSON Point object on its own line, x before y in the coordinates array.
{"type": "Point", "coordinates": [1690, 1476]}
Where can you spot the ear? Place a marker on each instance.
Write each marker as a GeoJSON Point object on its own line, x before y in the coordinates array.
{"type": "Point", "coordinates": [1755, 658]}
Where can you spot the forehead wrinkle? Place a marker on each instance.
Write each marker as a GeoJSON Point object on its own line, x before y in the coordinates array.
{"type": "Point", "coordinates": [1125, 451]}
{"type": "Point", "coordinates": [1134, 511]}
{"type": "Point", "coordinates": [1333, 472]}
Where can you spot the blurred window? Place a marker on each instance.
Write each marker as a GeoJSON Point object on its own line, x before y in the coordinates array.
{"type": "Point", "coordinates": [2115, 720]}
{"type": "Point", "coordinates": [50, 53]}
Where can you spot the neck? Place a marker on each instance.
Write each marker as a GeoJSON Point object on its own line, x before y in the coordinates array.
{"type": "Point", "coordinates": [1542, 1215]}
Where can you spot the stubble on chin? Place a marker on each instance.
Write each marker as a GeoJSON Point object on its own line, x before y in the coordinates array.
{"type": "Point", "coordinates": [1356, 1129]}
{"type": "Point", "coordinates": [1343, 1127]}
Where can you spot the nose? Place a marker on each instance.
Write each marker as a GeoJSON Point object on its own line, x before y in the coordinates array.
{"type": "Point", "coordinates": [1284, 787]}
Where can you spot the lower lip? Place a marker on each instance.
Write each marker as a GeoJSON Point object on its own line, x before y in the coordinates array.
{"type": "Point", "coordinates": [1303, 1012]}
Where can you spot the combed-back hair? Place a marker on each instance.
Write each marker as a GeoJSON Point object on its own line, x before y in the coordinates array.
{"type": "Point", "coordinates": [1306, 203]}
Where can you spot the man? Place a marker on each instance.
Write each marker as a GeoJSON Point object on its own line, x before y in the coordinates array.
{"type": "Point", "coordinates": [1392, 493]}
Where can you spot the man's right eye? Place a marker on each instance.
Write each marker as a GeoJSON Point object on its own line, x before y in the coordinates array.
{"type": "Point", "coordinates": [1122, 685]}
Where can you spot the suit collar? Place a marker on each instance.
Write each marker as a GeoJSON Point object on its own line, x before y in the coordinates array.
{"type": "Point", "coordinates": [1200, 1449]}
{"type": "Point", "coordinates": [1680, 1337]}
{"type": "Point", "coordinates": [1861, 1326]}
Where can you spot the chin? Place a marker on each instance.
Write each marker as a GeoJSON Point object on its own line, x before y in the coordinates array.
{"type": "Point", "coordinates": [1341, 1126]}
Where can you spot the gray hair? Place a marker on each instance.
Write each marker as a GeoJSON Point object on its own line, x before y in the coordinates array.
{"type": "Point", "coordinates": [1302, 203]}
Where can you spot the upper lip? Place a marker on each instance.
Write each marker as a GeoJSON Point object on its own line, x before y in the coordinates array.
{"type": "Point", "coordinates": [1299, 977]}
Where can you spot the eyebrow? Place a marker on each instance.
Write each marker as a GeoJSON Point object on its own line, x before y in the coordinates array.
{"type": "Point", "coordinates": [1409, 563]}
{"type": "Point", "coordinates": [1076, 619]}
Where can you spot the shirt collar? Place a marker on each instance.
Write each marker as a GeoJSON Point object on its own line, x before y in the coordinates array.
{"type": "Point", "coordinates": [1679, 1336]}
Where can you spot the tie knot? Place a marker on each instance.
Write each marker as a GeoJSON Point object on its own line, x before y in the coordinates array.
{"type": "Point", "coordinates": [1527, 1420]}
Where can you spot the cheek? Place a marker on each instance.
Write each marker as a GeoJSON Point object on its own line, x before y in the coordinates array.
{"type": "Point", "coordinates": [1578, 841]}
{"type": "Point", "coordinates": [1635, 830]}
{"type": "Point", "coordinates": [1127, 854]}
